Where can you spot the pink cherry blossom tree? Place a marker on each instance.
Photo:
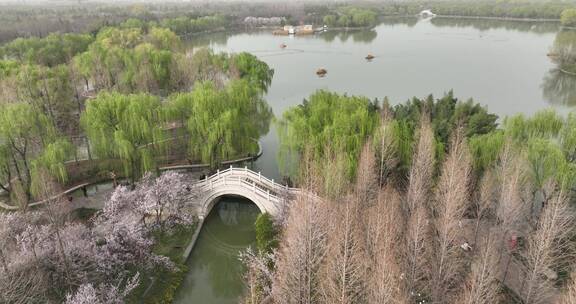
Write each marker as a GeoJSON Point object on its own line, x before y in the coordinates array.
{"type": "Point", "coordinates": [165, 199]}
{"type": "Point", "coordinates": [104, 293]}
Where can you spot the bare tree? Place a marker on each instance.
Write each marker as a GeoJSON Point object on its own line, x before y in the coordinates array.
{"type": "Point", "coordinates": [303, 250]}
{"type": "Point", "coordinates": [422, 168]}
{"type": "Point", "coordinates": [366, 177]}
{"type": "Point", "coordinates": [548, 249]}
{"type": "Point", "coordinates": [332, 173]}
{"type": "Point", "coordinates": [452, 197]}
{"type": "Point", "coordinates": [384, 231]}
{"type": "Point", "coordinates": [485, 199]}
{"type": "Point", "coordinates": [345, 269]}
{"type": "Point", "coordinates": [416, 267]}
{"type": "Point", "coordinates": [511, 209]}
{"type": "Point", "coordinates": [482, 285]}
{"type": "Point", "coordinates": [385, 145]}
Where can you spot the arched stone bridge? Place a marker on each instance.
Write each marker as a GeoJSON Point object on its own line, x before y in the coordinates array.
{"type": "Point", "coordinates": [269, 196]}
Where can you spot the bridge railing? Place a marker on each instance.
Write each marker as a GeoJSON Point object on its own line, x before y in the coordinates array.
{"type": "Point", "coordinates": [256, 182]}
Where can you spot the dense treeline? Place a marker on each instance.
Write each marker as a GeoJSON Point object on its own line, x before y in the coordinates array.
{"type": "Point", "coordinates": [351, 17]}
{"type": "Point", "coordinates": [343, 123]}
{"type": "Point", "coordinates": [503, 9]}
{"type": "Point", "coordinates": [39, 20]}
{"type": "Point", "coordinates": [486, 219]}
{"type": "Point", "coordinates": [52, 50]}
{"type": "Point", "coordinates": [183, 25]}
{"type": "Point", "coordinates": [568, 17]}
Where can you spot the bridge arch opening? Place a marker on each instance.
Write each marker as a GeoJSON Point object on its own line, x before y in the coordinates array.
{"type": "Point", "coordinates": [228, 214]}
{"type": "Point", "coordinates": [211, 201]}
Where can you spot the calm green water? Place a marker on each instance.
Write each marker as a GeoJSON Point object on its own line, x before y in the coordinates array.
{"type": "Point", "coordinates": [500, 64]}
{"type": "Point", "coordinates": [214, 271]}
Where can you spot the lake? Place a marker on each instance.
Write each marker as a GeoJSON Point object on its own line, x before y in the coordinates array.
{"type": "Point", "coordinates": [500, 64]}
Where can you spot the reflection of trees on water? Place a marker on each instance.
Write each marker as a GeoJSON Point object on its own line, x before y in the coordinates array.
{"type": "Point", "coordinates": [361, 36]}
{"type": "Point", "coordinates": [225, 274]}
{"type": "Point", "coordinates": [234, 211]}
{"type": "Point", "coordinates": [488, 24]}
{"type": "Point", "coordinates": [203, 40]}
{"type": "Point", "coordinates": [229, 230]}
{"type": "Point", "coordinates": [563, 51]}
{"type": "Point", "coordinates": [559, 84]}
{"type": "Point", "coordinates": [409, 21]}
{"type": "Point", "coordinates": [559, 88]}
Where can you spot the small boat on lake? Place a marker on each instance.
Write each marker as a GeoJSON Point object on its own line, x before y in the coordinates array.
{"type": "Point", "coordinates": [283, 46]}
{"type": "Point", "coordinates": [369, 57]}
{"type": "Point", "coordinates": [321, 72]}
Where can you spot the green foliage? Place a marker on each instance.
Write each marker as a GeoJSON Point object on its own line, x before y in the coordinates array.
{"type": "Point", "coordinates": [563, 51]}
{"type": "Point", "coordinates": [52, 50]}
{"type": "Point", "coordinates": [350, 16]}
{"type": "Point", "coordinates": [327, 119]}
{"type": "Point", "coordinates": [8, 68]}
{"type": "Point", "coordinates": [344, 123]}
{"type": "Point", "coordinates": [447, 114]}
{"type": "Point", "coordinates": [163, 39]}
{"type": "Point", "coordinates": [568, 17]}
{"type": "Point", "coordinates": [166, 282]}
{"type": "Point", "coordinates": [129, 60]}
{"type": "Point", "coordinates": [546, 161]}
{"type": "Point", "coordinates": [400, 136]}
{"type": "Point", "coordinates": [549, 143]}
{"type": "Point", "coordinates": [50, 90]}
{"type": "Point", "coordinates": [52, 159]}
{"type": "Point", "coordinates": [252, 69]}
{"type": "Point", "coordinates": [29, 143]}
{"type": "Point", "coordinates": [185, 25]}
{"type": "Point", "coordinates": [126, 127]}
{"type": "Point", "coordinates": [222, 123]}
{"type": "Point", "coordinates": [266, 233]}
{"type": "Point", "coordinates": [568, 137]}
{"type": "Point", "coordinates": [133, 23]}
{"type": "Point", "coordinates": [546, 123]}
{"type": "Point", "coordinates": [485, 149]}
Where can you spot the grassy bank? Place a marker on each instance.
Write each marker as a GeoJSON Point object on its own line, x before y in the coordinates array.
{"type": "Point", "coordinates": [159, 285]}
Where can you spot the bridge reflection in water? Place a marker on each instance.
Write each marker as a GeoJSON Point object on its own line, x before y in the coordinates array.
{"type": "Point", "coordinates": [214, 271]}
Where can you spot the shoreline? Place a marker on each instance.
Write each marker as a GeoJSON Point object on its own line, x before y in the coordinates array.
{"type": "Point", "coordinates": [499, 18]}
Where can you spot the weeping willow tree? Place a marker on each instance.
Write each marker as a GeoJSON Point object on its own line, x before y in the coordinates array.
{"type": "Point", "coordinates": [222, 123]}
{"type": "Point", "coordinates": [252, 69]}
{"type": "Point", "coordinates": [127, 127]}
{"type": "Point", "coordinates": [29, 142]}
{"type": "Point", "coordinates": [485, 149]}
{"type": "Point", "coordinates": [130, 60]}
{"type": "Point", "coordinates": [326, 119]}
{"type": "Point", "coordinates": [547, 139]}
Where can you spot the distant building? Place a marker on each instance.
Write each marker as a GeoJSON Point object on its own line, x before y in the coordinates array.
{"type": "Point", "coordinates": [289, 30]}
{"type": "Point", "coordinates": [295, 30]}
